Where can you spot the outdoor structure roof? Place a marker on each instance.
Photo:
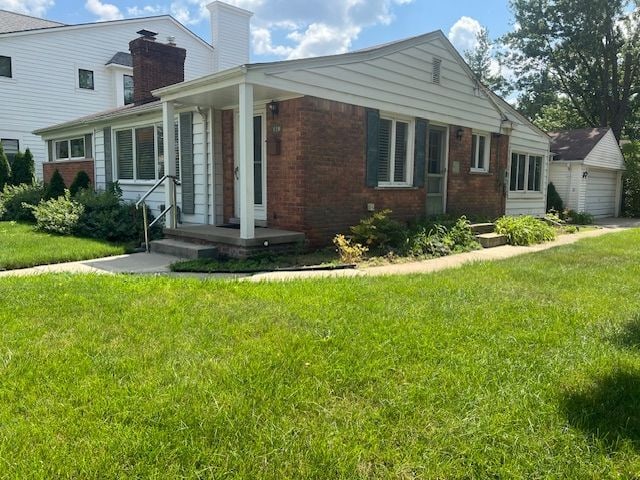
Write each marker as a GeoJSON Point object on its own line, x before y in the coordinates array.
{"type": "Point", "coordinates": [121, 58]}
{"type": "Point", "coordinates": [575, 144]}
{"type": "Point", "coordinates": [18, 22]}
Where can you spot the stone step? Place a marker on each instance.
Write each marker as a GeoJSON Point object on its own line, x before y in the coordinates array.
{"type": "Point", "coordinates": [181, 249]}
{"type": "Point", "coordinates": [490, 240]}
{"type": "Point", "coordinates": [479, 228]}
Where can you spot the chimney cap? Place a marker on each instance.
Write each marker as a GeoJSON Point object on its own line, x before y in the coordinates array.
{"type": "Point", "coordinates": [149, 35]}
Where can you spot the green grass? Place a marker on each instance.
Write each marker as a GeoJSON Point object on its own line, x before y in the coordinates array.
{"type": "Point", "coordinates": [524, 368]}
{"type": "Point", "coordinates": [21, 247]}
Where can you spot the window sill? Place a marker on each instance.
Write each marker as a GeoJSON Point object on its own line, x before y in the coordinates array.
{"type": "Point", "coordinates": [69, 160]}
{"type": "Point", "coordinates": [137, 182]}
{"type": "Point", "coordinates": [396, 187]}
{"type": "Point", "coordinates": [479, 172]}
{"type": "Point", "coordinates": [525, 195]}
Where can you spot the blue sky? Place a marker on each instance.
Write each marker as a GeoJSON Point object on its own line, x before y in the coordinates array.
{"type": "Point", "coordinates": [294, 28]}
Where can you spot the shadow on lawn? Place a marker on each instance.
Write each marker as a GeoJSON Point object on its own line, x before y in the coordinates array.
{"type": "Point", "coordinates": [629, 337]}
{"type": "Point", "coordinates": [609, 409]}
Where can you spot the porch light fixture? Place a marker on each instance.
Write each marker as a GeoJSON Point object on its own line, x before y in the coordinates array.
{"type": "Point", "coordinates": [459, 133]}
{"type": "Point", "coordinates": [273, 108]}
{"type": "Point", "coordinates": [585, 174]}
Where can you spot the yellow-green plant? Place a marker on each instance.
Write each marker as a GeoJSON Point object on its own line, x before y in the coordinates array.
{"type": "Point", "coordinates": [349, 251]}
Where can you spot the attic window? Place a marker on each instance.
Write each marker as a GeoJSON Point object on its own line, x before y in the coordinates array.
{"type": "Point", "coordinates": [436, 70]}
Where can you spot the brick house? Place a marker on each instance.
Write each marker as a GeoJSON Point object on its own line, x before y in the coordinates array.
{"type": "Point", "coordinates": [310, 147]}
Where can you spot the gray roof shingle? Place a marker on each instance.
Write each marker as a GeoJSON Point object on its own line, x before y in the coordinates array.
{"type": "Point", "coordinates": [121, 58]}
{"type": "Point", "coordinates": [18, 22]}
{"type": "Point", "coordinates": [575, 144]}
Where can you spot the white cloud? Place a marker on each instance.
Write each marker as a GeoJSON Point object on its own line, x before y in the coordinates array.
{"type": "Point", "coordinates": [104, 11]}
{"type": "Point", "coordinates": [262, 44]}
{"type": "Point", "coordinates": [147, 10]}
{"type": "Point", "coordinates": [321, 39]}
{"type": "Point", "coordinates": [463, 33]}
{"type": "Point", "coordinates": [37, 8]}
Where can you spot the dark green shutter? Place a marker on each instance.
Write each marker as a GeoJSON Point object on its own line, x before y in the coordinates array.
{"type": "Point", "coordinates": [108, 157]}
{"type": "Point", "coordinates": [186, 160]}
{"type": "Point", "coordinates": [420, 152]}
{"type": "Point", "coordinates": [88, 146]}
{"type": "Point", "coordinates": [373, 121]}
{"type": "Point", "coordinates": [50, 150]}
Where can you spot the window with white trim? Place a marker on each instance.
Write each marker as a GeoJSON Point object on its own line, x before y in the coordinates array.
{"type": "Point", "coordinates": [69, 149]}
{"type": "Point", "coordinates": [127, 87]}
{"type": "Point", "coordinates": [140, 153]}
{"type": "Point", "coordinates": [10, 147]}
{"type": "Point", "coordinates": [480, 150]}
{"type": "Point", "coordinates": [5, 67]}
{"type": "Point", "coordinates": [395, 151]}
{"type": "Point", "coordinates": [525, 173]}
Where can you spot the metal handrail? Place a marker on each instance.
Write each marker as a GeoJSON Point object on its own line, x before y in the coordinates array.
{"type": "Point", "coordinates": [162, 214]}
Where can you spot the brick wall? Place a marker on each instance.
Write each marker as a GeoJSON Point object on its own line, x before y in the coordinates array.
{"type": "Point", "coordinates": [476, 193]}
{"type": "Point", "coordinates": [68, 170]}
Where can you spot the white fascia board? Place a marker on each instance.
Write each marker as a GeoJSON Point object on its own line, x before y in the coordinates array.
{"type": "Point", "coordinates": [215, 81]}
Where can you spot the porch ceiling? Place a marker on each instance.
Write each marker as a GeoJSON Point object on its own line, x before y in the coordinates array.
{"type": "Point", "coordinates": [226, 97]}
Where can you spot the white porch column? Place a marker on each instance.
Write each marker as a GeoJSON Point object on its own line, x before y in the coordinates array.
{"type": "Point", "coordinates": [245, 161]}
{"type": "Point", "coordinates": [169, 148]}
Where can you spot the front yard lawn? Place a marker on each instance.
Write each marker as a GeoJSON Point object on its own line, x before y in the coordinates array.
{"type": "Point", "coordinates": [524, 368]}
{"type": "Point", "coordinates": [21, 247]}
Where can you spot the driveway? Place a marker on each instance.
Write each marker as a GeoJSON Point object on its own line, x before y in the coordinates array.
{"type": "Point", "coordinates": [619, 222]}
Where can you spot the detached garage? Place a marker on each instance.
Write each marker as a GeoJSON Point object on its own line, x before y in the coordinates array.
{"type": "Point", "coordinates": [586, 170]}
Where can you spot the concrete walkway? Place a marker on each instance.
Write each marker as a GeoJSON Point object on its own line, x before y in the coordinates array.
{"type": "Point", "coordinates": [154, 263]}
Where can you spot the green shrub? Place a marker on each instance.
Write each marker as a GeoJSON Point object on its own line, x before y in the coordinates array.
{"type": "Point", "coordinates": [107, 217]}
{"type": "Point", "coordinates": [379, 233]}
{"type": "Point", "coordinates": [462, 237]}
{"type": "Point", "coordinates": [22, 168]}
{"type": "Point", "coordinates": [80, 182]}
{"type": "Point", "coordinates": [349, 251]}
{"type": "Point", "coordinates": [16, 201]}
{"type": "Point", "coordinates": [579, 218]}
{"type": "Point", "coordinates": [524, 230]}
{"type": "Point", "coordinates": [433, 243]}
{"type": "Point", "coordinates": [58, 215]}
{"type": "Point", "coordinates": [631, 180]}
{"type": "Point", "coordinates": [554, 202]}
{"type": "Point", "coordinates": [56, 186]}
{"type": "Point", "coordinates": [5, 169]}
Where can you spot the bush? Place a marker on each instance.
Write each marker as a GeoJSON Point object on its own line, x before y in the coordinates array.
{"type": "Point", "coordinates": [524, 230]}
{"type": "Point", "coordinates": [578, 218]}
{"type": "Point", "coordinates": [58, 215]}
{"type": "Point", "coordinates": [80, 182]}
{"type": "Point", "coordinates": [554, 202]}
{"type": "Point", "coordinates": [16, 201]}
{"type": "Point", "coordinates": [22, 168]}
{"type": "Point", "coordinates": [107, 217]}
{"type": "Point", "coordinates": [5, 169]}
{"type": "Point", "coordinates": [462, 237]}
{"type": "Point", "coordinates": [631, 180]}
{"type": "Point", "coordinates": [56, 186]}
{"type": "Point", "coordinates": [380, 233]}
{"type": "Point", "coordinates": [349, 251]}
{"type": "Point", "coordinates": [438, 241]}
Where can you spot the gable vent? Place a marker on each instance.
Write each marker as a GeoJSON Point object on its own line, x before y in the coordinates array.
{"type": "Point", "coordinates": [436, 71]}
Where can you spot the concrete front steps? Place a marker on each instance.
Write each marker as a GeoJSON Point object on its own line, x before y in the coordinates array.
{"type": "Point", "coordinates": [486, 236]}
{"type": "Point", "coordinates": [181, 249]}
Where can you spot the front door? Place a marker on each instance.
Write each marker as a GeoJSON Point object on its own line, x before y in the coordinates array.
{"type": "Point", "coordinates": [436, 170]}
{"type": "Point", "coordinates": [259, 167]}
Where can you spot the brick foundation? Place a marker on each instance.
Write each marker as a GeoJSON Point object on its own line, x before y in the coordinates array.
{"type": "Point", "coordinates": [68, 170]}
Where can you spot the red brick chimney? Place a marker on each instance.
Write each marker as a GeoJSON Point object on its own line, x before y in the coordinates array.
{"type": "Point", "coordinates": [155, 65]}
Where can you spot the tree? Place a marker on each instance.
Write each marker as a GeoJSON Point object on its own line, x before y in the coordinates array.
{"type": "Point", "coordinates": [481, 61]}
{"type": "Point", "coordinates": [587, 51]}
{"type": "Point", "coordinates": [80, 182]}
{"type": "Point", "coordinates": [5, 169]}
{"type": "Point", "coordinates": [56, 186]}
{"type": "Point", "coordinates": [631, 180]}
{"type": "Point", "coordinates": [22, 168]}
{"type": "Point", "coordinates": [559, 115]}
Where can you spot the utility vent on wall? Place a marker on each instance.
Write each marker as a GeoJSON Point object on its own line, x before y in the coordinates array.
{"type": "Point", "coordinates": [436, 70]}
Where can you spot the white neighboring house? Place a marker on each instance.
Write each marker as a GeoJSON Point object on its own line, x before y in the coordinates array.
{"type": "Point", "coordinates": [586, 170]}
{"type": "Point", "coordinates": [51, 73]}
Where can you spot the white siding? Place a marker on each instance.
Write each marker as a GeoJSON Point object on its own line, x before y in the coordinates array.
{"type": "Point", "coordinates": [606, 154]}
{"type": "Point", "coordinates": [43, 90]}
{"type": "Point", "coordinates": [601, 192]}
{"type": "Point", "coordinates": [229, 35]}
{"type": "Point", "coordinates": [569, 182]}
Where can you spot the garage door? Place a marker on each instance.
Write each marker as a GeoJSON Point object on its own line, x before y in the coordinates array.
{"type": "Point", "coordinates": [601, 192]}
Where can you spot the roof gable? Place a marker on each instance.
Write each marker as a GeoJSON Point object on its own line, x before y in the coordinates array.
{"type": "Point", "coordinates": [575, 144]}
{"type": "Point", "coordinates": [19, 22]}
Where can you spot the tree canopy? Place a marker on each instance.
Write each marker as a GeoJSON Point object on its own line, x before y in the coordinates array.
{"type": "Point", "coordinates": [577, 55]}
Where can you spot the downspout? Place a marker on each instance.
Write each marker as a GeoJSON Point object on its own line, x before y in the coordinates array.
{"type": "Point", "coordinates": [205, 146]}
{"type": "Point", "coordinates": [95, 162]}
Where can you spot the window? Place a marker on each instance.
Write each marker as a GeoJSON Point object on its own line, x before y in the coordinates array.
{"type": "Point", "coordinates": [5, 67]}
{"type": "Point", "coordinates": [525, 173]}
{"type": "Point", "coordinates": [395, 152]}
{"type": "Point", "coordinates": [139, 153]}
{"type": "Point", "coordinates": [128, 89]}
{"type": "Point", "coordinates": [85, 79]}
{"type": "Point", "coordinates": [69, 149]}
{"type": "Point", "coordinates": [10, 148]}
{"type": "Point", "coordinates": [480, 152]}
